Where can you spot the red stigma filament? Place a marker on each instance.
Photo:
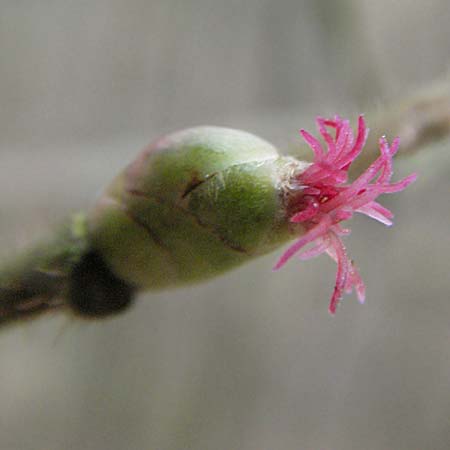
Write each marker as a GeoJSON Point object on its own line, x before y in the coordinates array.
{"type": "Point", "coordinates": [326, 198]}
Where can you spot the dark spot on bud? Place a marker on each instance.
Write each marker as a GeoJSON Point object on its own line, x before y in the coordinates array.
{"type": "Point", "coordinates": [195, 182]}
{"type": "Point", "coordinates": [94, 291]}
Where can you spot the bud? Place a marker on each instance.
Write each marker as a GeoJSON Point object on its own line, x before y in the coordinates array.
{"type": "Point", "coordinates": [205, 200]}
{"type": "Point", "coordinates": [192, 205]}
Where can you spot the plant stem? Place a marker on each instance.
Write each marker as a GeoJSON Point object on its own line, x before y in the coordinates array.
{"type": "Point", "coordinates": [420, 121]}
{"type": "Point", "coordinates": [37, 281]}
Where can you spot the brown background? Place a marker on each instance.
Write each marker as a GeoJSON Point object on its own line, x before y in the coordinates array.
{"type": "Point", "coordinates": [252, 360]}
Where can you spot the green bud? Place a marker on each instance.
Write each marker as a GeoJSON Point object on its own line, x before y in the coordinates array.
{"type": "Point", "coordinates": [193, 205]}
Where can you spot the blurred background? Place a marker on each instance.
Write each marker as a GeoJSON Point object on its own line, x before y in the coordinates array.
{"type": "Point", "coordinates": [252, 360]}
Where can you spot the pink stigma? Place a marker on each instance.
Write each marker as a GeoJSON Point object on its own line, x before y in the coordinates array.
{"type": "Point", "coordinates": [326, 198]}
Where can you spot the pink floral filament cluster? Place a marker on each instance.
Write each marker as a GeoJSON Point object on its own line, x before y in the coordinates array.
{"type": "Point", "coordinates": [327, 199]}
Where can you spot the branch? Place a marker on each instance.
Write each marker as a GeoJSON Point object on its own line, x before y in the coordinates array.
{"type": "Point", "coordinates": [37, 281]}
{"type": "Point", "coordinates": [420, 121]}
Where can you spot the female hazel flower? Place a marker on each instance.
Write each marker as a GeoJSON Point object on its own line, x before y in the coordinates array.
{"type": "Point", "coordinates": [322, 198]}
{"type": "Point", "coordinates": [201, 201]}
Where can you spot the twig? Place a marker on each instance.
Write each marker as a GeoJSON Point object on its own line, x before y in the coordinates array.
{"type": "Point", "coordinates": [65, 273]}
{"type": "Point", "coordinates": [37, 281]}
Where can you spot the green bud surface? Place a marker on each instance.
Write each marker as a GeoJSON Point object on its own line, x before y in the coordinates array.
{"type": "Point", "coordinates": [193, 205]}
